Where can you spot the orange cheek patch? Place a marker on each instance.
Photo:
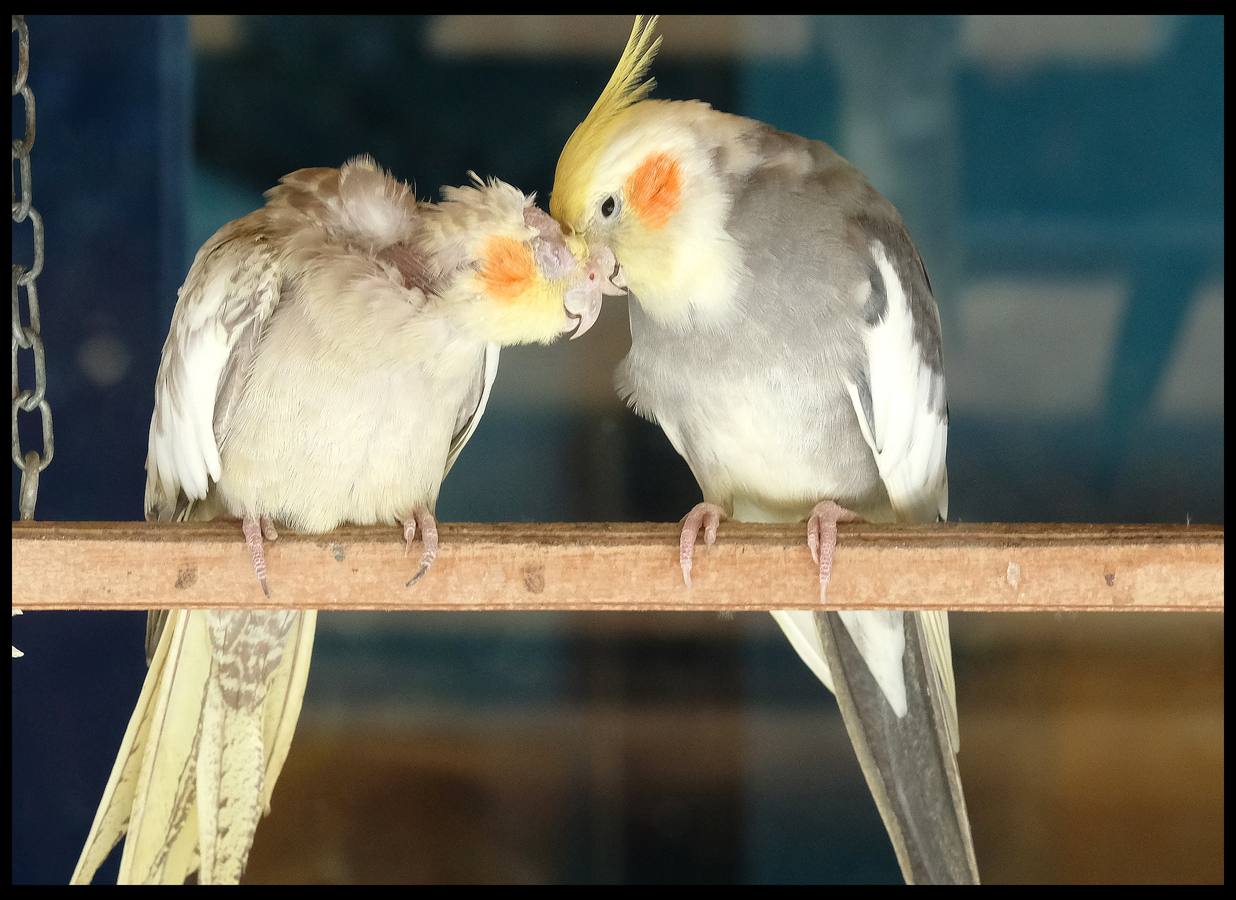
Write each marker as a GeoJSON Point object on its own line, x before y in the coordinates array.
{"type": "Point", "coordinates": [655, 189]}
{"type": "Point", "coordinates": [508, 268]}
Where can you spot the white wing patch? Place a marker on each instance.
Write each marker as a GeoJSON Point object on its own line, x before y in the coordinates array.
{"type": "Point", "coordinates": [909, 437]}
{"type": "Point", "coordinates": [229, 292]}
{"type": "Point", "coordinates": [203, 350]}
{"type": "Point", "coordinates": [906, 433]}
{"type": "Point", "coordinates": [880, 637]}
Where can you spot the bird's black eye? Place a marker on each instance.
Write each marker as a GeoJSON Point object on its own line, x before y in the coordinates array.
{"type": "Point", "coordinates": [609, 207]}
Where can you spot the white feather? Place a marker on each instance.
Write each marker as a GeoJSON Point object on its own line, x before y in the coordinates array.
{"type": "Point", "coordinates": [227, 288]}
{"type": "Point", "coordinates": [909, 438]}
{"type": "Point", "coordinates": [162, 801]}
{"type": "Point", "coordinates": [880, 638]}
{"type": "Point", "coordinates": [907, 435]}
{"type": "Point", "coordinates": [804, 636]}
{"type": "Point", "coordinates": [112, 817]}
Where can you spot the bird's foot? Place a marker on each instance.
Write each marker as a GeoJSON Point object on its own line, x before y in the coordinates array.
{"type": "Point", "coordinates": [705, 515]}
{"type": "Point", "coordinates": [429, 537]}
{"type": "Point", "coordinates": [254, 528]}
{"type": "Point", "coordinates": [822, 537]}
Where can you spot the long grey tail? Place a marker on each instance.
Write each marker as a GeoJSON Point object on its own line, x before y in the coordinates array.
{"type": "Point", "coordinates": [908, 761]}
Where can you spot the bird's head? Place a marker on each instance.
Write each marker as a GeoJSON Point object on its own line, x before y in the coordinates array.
{"type": "Point", "coordinates": [510, 272]}
{"type": "Point", "coordinates": [637, 177]}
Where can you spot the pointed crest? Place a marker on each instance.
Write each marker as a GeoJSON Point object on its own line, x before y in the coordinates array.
{"type": "Point", "coordinates": [623, 90]}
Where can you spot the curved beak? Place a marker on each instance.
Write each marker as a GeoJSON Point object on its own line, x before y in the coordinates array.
{"type": "Point", "coordinates": [583, 299]}
{"type": "Point", "coordinates": [613, 279]}
{"type": "Point", "coordinates": [582, 306]}
{"type": "Point", "coordinates": [616, 280]}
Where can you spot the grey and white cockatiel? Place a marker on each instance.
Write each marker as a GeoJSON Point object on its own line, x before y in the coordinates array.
{"type": "Point", "coordinates": [785, 337]}
{"type": "Point", "coordinates": [329, 356]}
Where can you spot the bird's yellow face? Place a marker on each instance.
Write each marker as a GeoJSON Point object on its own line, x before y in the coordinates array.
{"type": "Point", "coordinates": [631, 197]}
{"type": "Point", "coordinates": [601, 191]}
{"type": "Point", "coordinates": [636, 177]}
{"type": "Point", "coordinates": [540, 287]}
{"type": "Point", "coordinates": [513, 276]}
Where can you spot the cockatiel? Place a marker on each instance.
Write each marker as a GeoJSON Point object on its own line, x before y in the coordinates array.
{"type": "Point", "coordinates": [329, 356]}
{"type": "Point", "coordinates": [785, 337]}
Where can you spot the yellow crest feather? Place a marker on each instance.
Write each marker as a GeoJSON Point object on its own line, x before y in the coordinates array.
{"type": "Point", "coordinates": [624, 89]}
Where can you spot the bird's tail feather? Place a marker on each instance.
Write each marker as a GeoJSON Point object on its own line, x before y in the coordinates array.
{"type": "Point", "coordinates": [143, 786]}
{"type": "Point", "coordinates": [800, 629]}
{"type": "Point", "coordinates": [230, 789]}
{"type": "Point", "coordinates": [198, 733]}
{"type": "Point", "coordinates": [283, 702]}
{"type": "Point", "coordinates": [908, 760]}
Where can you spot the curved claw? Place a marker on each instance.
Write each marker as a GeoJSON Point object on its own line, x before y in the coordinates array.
{"type": "Point", "coordinates": [253, 528]}
{"type": "Point", "coordinates": [429, 536]}
{"type": "Point", "coordinates": [707, 515]}
{"type": "Point", "coordinates": [822, 538]}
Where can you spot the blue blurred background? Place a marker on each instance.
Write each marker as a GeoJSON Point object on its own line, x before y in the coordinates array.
{"type": "Point", "coordinates": [1063, 178]}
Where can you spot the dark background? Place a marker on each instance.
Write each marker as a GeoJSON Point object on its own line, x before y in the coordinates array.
{"type": "Point", "coordinates": [1064, 181]}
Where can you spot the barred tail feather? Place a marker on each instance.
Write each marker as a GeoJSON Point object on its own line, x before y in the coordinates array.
{"type": "Point", "coordinates": [204, 746]}
{"type": "Point", "coordinates": [112, 819]}
{"type": "Point", "coordinates": [230, 775]}
{"type": "Point", "coordinates": [157, 849]}
{"type": "Point", "coordinates": [287, 693]}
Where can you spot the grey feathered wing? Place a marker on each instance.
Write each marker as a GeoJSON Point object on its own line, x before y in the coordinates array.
{"type": "Point", "coordinates": [905, 737]}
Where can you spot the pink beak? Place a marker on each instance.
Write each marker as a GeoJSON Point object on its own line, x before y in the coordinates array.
{"type": "Point", "coordinates": [583, 300]}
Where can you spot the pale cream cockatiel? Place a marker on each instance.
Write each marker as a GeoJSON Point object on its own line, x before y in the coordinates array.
{"type": "Point", "coordinates": [785, 337]}
{"type": "Point", "coordinates": [329, 356]}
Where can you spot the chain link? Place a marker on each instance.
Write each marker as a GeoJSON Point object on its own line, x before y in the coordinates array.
{"type": "Point", "coordinates": [28, 336]}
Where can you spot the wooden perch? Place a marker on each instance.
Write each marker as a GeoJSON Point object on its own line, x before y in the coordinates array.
{"type": "Point", "coordinates": [124, 565]}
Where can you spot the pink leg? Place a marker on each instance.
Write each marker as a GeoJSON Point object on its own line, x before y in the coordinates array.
{"type": "Point", "coordinates": [429, 537]}
{"type": "Point", "coordinates": [268, 529]}
{"type": "Point", "coordinates": [822, 537]}
{"type": "Point", "coordinates": [253, 539]}
{"type": "Point", "coordinates": [708, 515]}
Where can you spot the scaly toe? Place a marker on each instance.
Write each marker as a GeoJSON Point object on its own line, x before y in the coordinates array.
{"type": "Point", "coordinates": [427, 559]}
{"type": "Point", "coordinates": [686, 546]}
{"type": "Point", "coordinates": [251, 527]}
{"type": "Point", "coordinates": [409, 534]}
{"type": "Point", "coordinates": [712, 521]}
{"type": "Point", "coordinates": [429, 535]}
{"type": "Point", "coordinates": [705, 515]}
{"type": "Point", "coordinates": [822, 538]}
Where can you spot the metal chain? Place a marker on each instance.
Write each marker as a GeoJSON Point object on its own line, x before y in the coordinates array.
{"type": "Point", "coordinates": [28, 336]}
